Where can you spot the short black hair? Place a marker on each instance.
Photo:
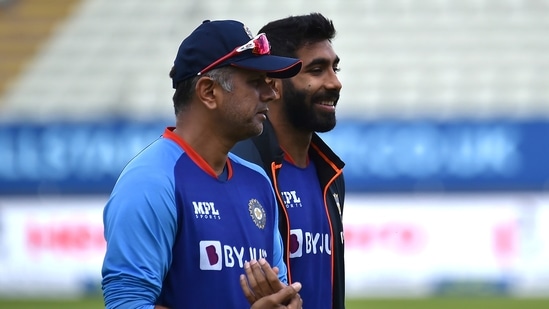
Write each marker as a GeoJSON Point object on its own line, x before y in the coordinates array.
{"type": "Point", "coordinates": [185, 89]}
{"type": "Point", "coordinates": [289, 34]}
{"type": "Point", "coordinates": [183, 92]}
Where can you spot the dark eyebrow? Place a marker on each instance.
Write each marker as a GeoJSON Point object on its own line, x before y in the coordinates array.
{"type": "Point", "coordinates": [322, 61]}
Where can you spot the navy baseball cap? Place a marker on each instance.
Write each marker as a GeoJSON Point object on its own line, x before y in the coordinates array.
{"type": "Point", "coordinates": [219, 43]}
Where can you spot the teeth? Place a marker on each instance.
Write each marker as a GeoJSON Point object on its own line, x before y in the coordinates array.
{"type": "Point", "coordinates": [329, 103]}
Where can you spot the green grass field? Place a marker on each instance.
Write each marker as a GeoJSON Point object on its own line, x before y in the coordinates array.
{"type": "Point", "coordinates": [449, 303]}
{"type": "Point", "coordinates": [429, 303]}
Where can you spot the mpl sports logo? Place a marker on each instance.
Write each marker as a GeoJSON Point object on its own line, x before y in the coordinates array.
{"type": "Point", "coordinates": [215, 256]}
{"type": "Point", "coordinates": [291, 199]}
{"type": "Point", "coordinates": [206, 210]}
{"type": "Point", "coordinates": [302, 243]}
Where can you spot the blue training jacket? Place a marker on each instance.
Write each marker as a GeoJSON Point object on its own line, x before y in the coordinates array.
{"type": "Point", "coordinates": [178, 236]}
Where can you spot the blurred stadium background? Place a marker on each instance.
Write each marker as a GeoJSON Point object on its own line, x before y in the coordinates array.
{"type": "Point", "coordinates": [443, 122]}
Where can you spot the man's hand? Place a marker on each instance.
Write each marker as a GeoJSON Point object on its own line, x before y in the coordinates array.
{"type": "Point", "coordinates": [260, 280]}
{"type": "Point", "coordinates": [264, 290]}
{"type": "Point", "coordinates": [287, 298]}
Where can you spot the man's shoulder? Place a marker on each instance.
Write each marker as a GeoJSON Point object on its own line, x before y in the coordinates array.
{"type": "Point", "coordinates": [244, 161]}
{"type": "Point", "coordinates": [248, 151]}
{"type": "Point", "coordinates": [327, 152]}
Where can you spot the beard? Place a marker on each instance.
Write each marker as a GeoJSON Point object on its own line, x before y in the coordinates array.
{"type": "Point", "coordinates": [300, 110]}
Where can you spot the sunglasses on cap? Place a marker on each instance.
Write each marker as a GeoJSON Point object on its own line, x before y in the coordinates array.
{"type": "Point", "coordinates": [259, 46]}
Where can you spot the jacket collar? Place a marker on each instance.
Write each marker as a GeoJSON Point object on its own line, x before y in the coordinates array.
{"type": "Point", "coordinates": [268, 142]}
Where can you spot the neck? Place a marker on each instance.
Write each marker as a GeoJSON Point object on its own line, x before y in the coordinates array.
{"type": "Point", "coordinates": [295, 143]}
{"type": "Point", "coordinates": [209, 146]}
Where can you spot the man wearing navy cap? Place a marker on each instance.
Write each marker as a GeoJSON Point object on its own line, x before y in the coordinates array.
{"type": "Point", "coordinates": [186, 218]}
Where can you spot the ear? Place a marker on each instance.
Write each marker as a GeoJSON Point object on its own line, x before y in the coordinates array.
{"type": "Point", "coordinates": [276, 84]}
{"type": "Point", "coordinates": [207, 92]}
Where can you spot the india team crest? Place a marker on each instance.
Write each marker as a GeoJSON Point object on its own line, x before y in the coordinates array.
{"type": "Point", "coordinates": [257, 212]}
{"type": "Point", "coordinates": [248, 32]}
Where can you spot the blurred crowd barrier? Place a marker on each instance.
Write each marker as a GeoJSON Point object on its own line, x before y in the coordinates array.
{"type": "Point", "coordinates": [396, 245]}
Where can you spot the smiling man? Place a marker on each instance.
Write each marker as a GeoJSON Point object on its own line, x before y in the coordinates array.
{"type": "Point", "coordinates": [306, 174]}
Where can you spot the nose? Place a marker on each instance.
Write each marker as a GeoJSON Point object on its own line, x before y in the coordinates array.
{"type": "Point", "coordinates": [332, 82]}
{"type": "Point", "coordinates": [267, 91]}
{"type": "Point", "coordinates": [271, 82]}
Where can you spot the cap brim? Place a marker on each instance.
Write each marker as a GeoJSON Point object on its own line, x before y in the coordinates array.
{"type": "Point", "coordinates": [274, 66]}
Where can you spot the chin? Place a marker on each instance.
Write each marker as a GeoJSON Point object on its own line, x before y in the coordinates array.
{"type": "Point", "coordinates": [325, 127]}
{"type": "Point", "coordinates": [255, 131]}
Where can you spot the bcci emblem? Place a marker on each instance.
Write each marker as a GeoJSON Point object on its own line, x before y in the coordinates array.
{"type": "Point", "coordinates": [257, 213]}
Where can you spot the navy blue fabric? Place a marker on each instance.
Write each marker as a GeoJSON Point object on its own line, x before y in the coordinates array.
{"type": "Point", "coordinates": [215, 39]}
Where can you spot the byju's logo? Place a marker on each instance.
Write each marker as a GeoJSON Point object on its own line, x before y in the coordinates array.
{"type": "Point", "coordinates": [291, 199]}
{"type": "Point", "coordinates": [206, 210]}
{"type": "Point", "coordinates": [210, 255]}
{"type": "Point", "coordinates": [213, 255]}
{"type": "Point", "coordinates": [308, 243]}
